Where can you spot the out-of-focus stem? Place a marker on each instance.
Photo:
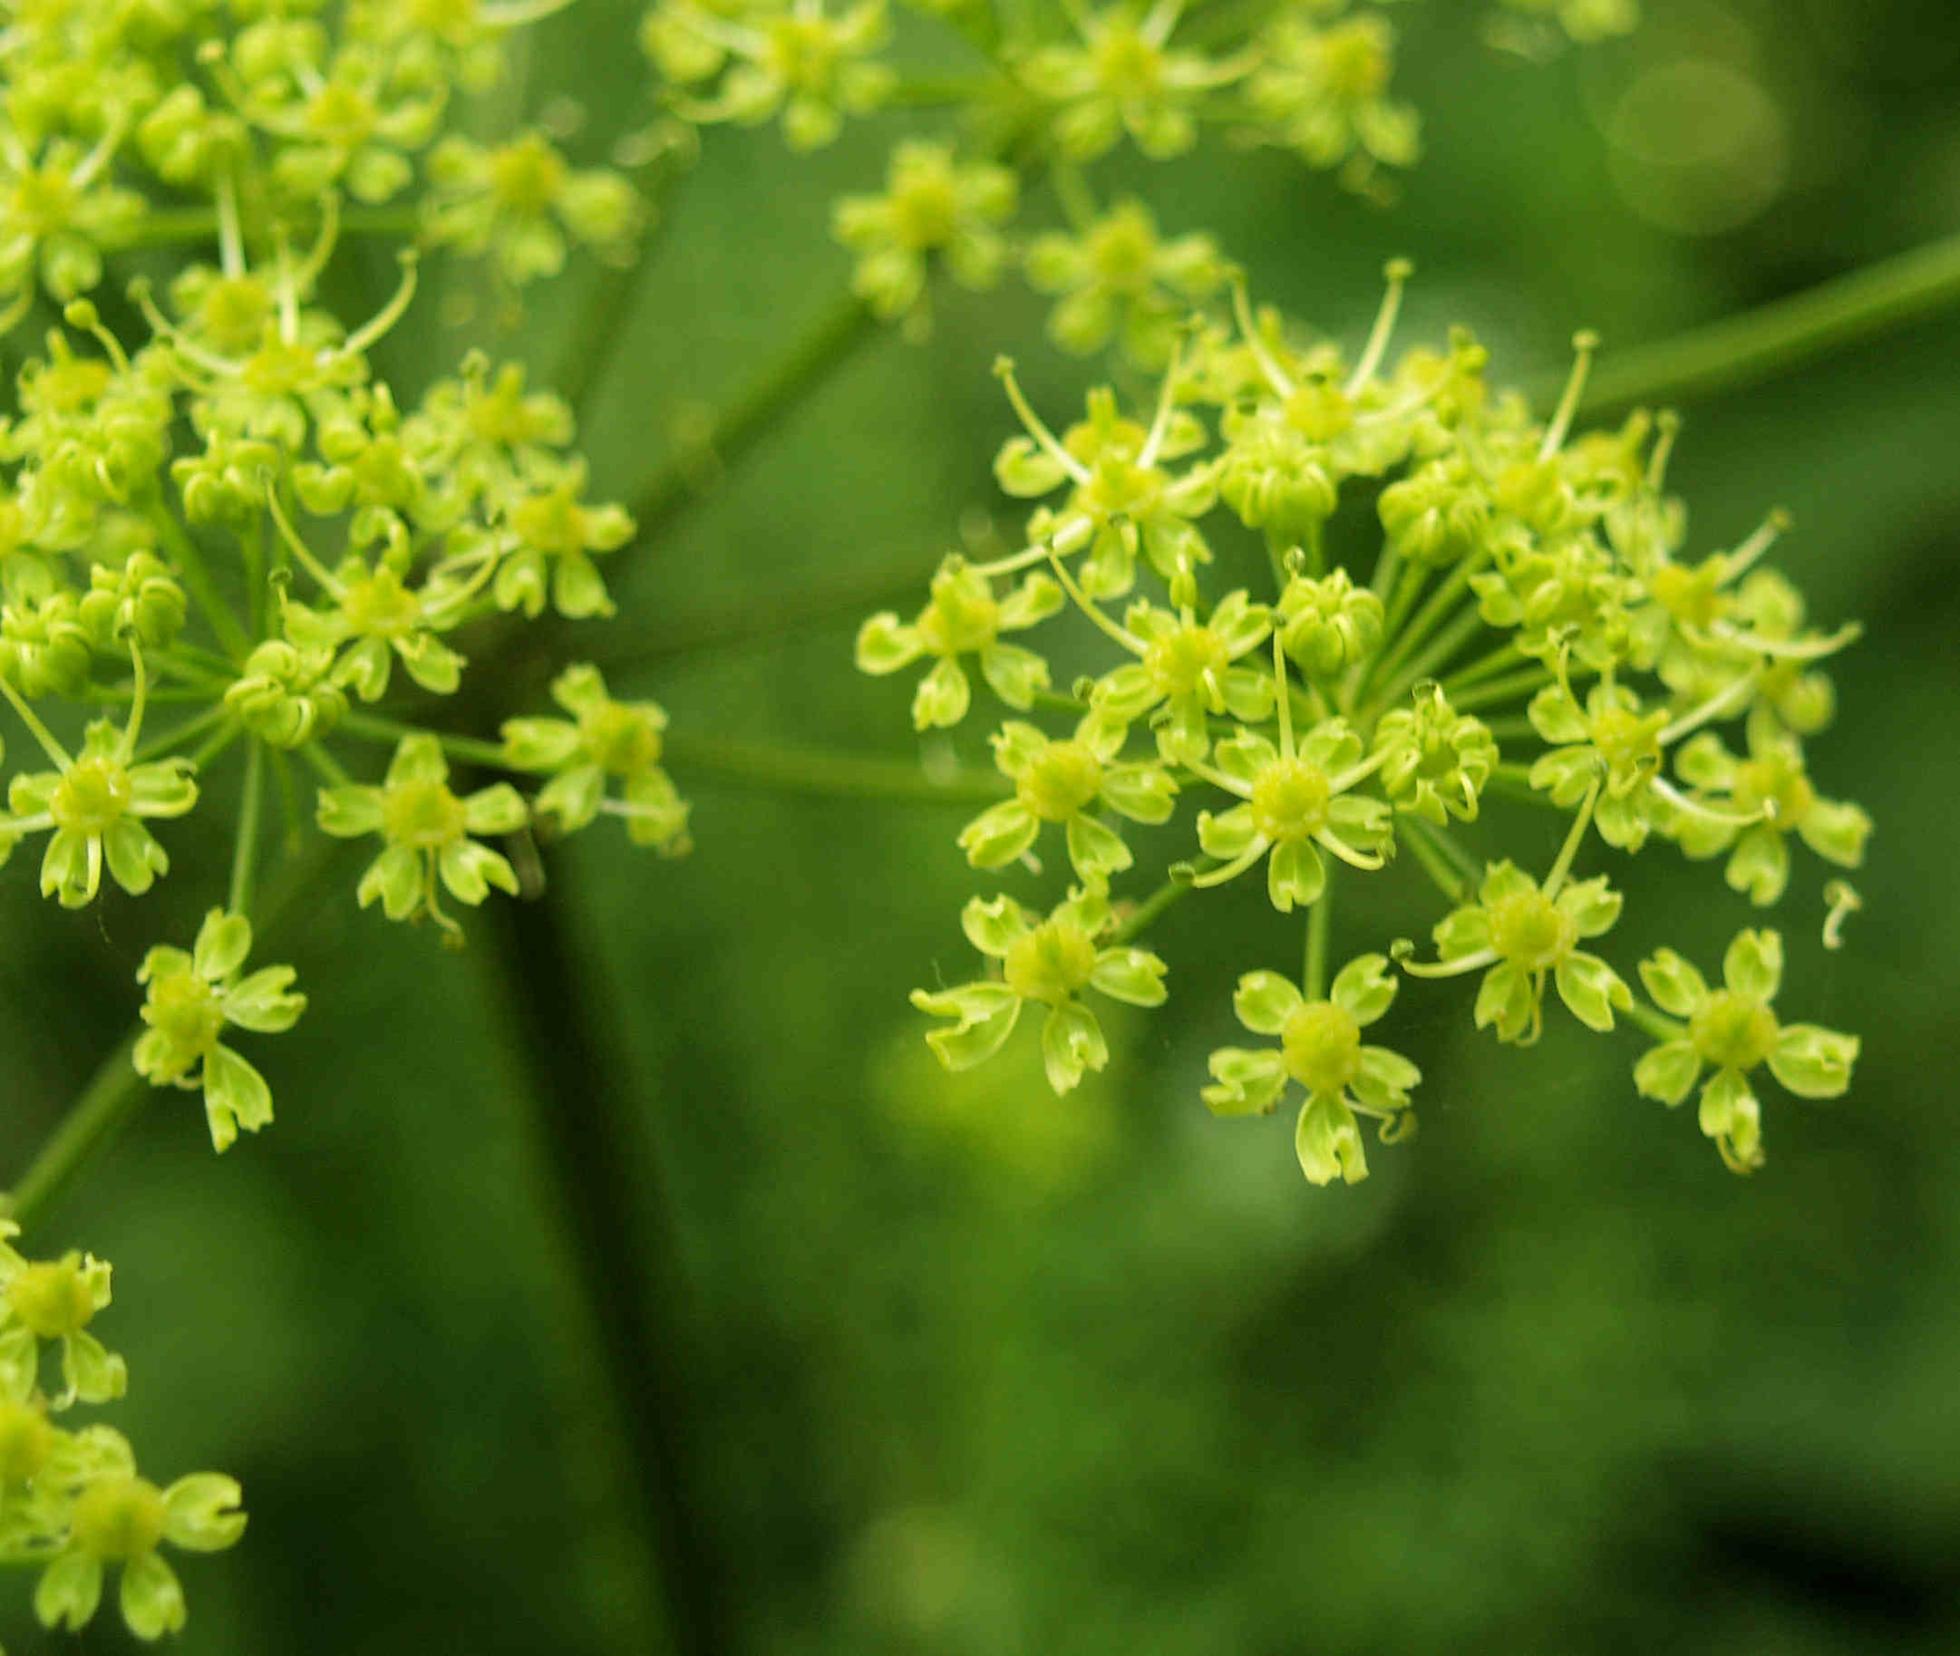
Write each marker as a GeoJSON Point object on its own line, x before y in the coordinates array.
{"type": "Point", "coordinates": [1781, 336]}
{"type": "Point", "coordinates": [827, 775]}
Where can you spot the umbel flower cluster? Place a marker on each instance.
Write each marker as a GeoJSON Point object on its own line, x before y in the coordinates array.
{"type": "Point", "coordinates": [72, 1504]}
{"type": "Point", "coordinates": [1458, 599]}
{"type": "Point", "coordinates": [1056, 90]}
{"type": "Point", "coordinates": [242, 580]}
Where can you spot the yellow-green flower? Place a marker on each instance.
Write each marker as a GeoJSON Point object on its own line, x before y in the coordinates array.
{"type": "Point", "coordinates": [1525, 934]}
{"type": "Point", "coordinates": [1733, 1031]}
{"type": "Point", "coordinates": [1771, 789]}
{"type": "Point", "coordinates": [427, 831]}
{"type": "Point", "coordinates": [933, 207]}
{"type": "Point", "coordinates": [1062, 781]}
{"type": "Point", "coordinates": [963, 617]}
{"type": "Point", "coordinates": [94, 805]}
{"type": "Point", "coordinates": [1320, 1048]}
{"type": "Point", "coordinates": [51, 1302]}
{"type": "Point", "coordinates": [191, 999]}
{"type": "Point", "coordinates": [118, 1518]}
{"type": "Point", "coordinates": [1117, 277]}
{"type": "Point", "coordinates": [604, 741]}
{"type": "Point", "coordinates": [522, 202]}
{"type": "Point", "coordinates": [1051, 963]}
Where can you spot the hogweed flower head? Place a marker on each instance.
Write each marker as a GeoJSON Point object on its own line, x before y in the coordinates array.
{"type": "Point", "coordinates": [1521, 620]}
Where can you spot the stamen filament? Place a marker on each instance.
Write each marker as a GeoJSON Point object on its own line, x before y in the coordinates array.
{"type": "Point", "coordinates": [1585, 344]}
{"type": "Point", "coordinates": [1276, 376]}
{"type": "Point", "coordinates": [1035, 426]}
{"type": "Point", "coordinates": [1397, 272]}
{"type": "Point", "coordinates": [1166, 404]}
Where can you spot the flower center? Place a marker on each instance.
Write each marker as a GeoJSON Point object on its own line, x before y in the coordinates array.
{"type": "Point", "coordinates": [43, 203]}
{"type": "Point", "coordinates": [620, 739]}
{"type": "Point", "coordinates": [233, 312]}
{"type": "Point", "coordinates": [52, 1298]}
{"type": "Point", "coordinates": [550, 523]}
{"type": "Point", "coordinates": [1353, 63]}
{"type": "Point", "coordinates": [341, 115]}
{"type": "Point", "coordinates": [803, 51]}
{"type": "Point", "coordinates": [1733, 1031]}
{"type": "Point", "coordinates": [925, 209]}
{"type": "Point", "coordinates": [1183, 661]}
{"type": "Point", "coordinates": [91, 798]}
{"type": "Point", "coordinates": [525, 177]}
{"type": "Point", "coordinates": [1290, 799]}
{"type": "Point", "coordinates": [1777, 781]}
{"type": "Point", "coordinates": [379, 606]}
{"type": "Point", "coordinates": [1127, 64]}
{"type": "Point", "coordinates": [26, 1441]}
{"type": "Point", "coordinates": [1319, 412]}
{"type": "Point", "coordinates": [119, 1518]}
{"type": "Point", "coordinates": [422, 815]}
{"type": "Point", "coordinates": [961, 618]}
{"type": "Point", "coordinates": [1118, 486]}
{"type": "Point", "coordinates": [1061, 781]}
{"type": "Point", "coordinates": [1121, 249]}
{"type": "Point", "coordinates": [69, 386]}
{"type": "Point", "coordinates": [1692, 596]}
{"type": "Point", "coordinates": [1051, 962]}
{"type": "Point", "coordinates": [277, 369]}
{"type": "Point", "coordinates": [1322, 1046]}
{"type": "Point", "coordinates": [186, 1010]}
{"type": "Point", "coordinates": [1627, 741]}
{"type": "Point", "coordinates": [1530, 930]}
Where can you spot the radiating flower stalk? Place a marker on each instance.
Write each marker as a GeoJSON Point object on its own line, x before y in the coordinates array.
{"type": "Point", "coordinates": [237, 566]}
{"type": "Point", "coordinates": [1457, 600]}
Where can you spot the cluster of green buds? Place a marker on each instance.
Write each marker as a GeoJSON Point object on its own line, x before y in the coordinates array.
{"type": "Point", "coordinates": [72, 1502]}
{"type": "Point", "coordinates": [246, 528]}
{"type": "Point", "coordinates": [1460, 600]}
{"type": "Point", "coordinates": [124, 126]}
{"type": "Point", "coordinates": [1050, 93]}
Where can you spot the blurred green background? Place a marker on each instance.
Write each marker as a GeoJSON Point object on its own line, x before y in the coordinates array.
{"type": "Point", "coordinates": [956, 1367]}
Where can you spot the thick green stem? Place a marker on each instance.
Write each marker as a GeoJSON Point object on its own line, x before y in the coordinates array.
{"type": "Point", "coordinates": [827, 775]}
{"type": "Point", "coordinates": [97, 1116]}
{"type": "Point", "coordinates": [585, 1119]}
{"type": "Point", "coordinates": [1780, 337]}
